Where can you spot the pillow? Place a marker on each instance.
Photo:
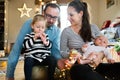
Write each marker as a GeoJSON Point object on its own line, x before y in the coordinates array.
{"type": "Point", "coordinates": [106, 24]}
{"type": "Point", "coordinates": [109, 32]}
{"type": "Point", "coordinates": [115, 22]}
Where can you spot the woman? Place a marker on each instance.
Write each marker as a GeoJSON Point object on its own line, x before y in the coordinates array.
{"type": "Point", "coordinates": [75, 36]}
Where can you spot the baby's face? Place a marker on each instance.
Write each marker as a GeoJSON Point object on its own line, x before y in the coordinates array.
{"type": "Point", "coordinates": [101, 41]}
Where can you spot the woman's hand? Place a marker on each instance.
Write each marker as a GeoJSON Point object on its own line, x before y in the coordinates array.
{"type": "Point", "coordinates": [61, 64]}
{"type": "Point", "coordinates": [64, 64]}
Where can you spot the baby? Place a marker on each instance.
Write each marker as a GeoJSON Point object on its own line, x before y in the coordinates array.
{"type": "Point", "coordinates": [92, 51]}
{"type": "Point", "coordinates": [99, 45]}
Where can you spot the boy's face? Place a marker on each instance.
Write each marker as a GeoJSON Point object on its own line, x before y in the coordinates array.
{"type": "Point", "coordinates": [39, 26]}
{"type": "Point", "coordinates": [101, 41]}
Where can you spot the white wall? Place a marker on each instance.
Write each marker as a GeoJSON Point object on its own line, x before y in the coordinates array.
{"type": "Point", "coordinates": [14, 20]}
{"type": "Point", "coordinates": [97, 9]}
{"type": "Point", "coordinates": [99, 13]}
{"type": "Point", "coordinates": [93, 10]}
{"type": "Point", "coordinates": [108, 14]}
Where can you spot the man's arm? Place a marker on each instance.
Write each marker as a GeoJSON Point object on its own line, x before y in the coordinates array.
{"type": "Point", "coordinates": [56, 45]}
{"type": "Point", "coordinates": [16, 50]}
{"type": "Point", "coordinates": [54, 36]}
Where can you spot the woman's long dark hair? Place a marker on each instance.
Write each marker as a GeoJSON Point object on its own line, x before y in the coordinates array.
{"type": "Point", "coordinates": [85, 31]}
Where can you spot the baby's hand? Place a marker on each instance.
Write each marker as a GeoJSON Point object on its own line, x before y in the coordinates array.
{"type": "Point", "coordinates": [96, 61]}
{"type": "Point", "coordinates": [84, 47]}
{"type": "Point", "coordinates": [111, 61]}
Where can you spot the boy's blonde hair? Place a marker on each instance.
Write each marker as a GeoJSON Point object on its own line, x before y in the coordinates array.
{"type": "Point", "coordinates": [38, 17]}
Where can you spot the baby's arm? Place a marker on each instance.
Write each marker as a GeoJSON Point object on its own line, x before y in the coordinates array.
{"type": "Point", "coordinates": [108, 56]}
{"type": "Point", "coordinates": [98, 60]}
{"type": "Point", "coordinates": [95, 58]}
{"type": "Point", "coordinates": [91, 56]}
{"type": "Point", "coordinates": [84, 47]}
{"type": "Point", "coordinates": [89, 59]}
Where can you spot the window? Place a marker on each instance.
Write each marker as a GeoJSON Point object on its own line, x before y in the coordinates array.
{"type": "Point", "coordinates": [63, 17]}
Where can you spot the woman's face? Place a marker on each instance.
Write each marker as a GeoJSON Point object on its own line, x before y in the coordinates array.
{"type": "Point", "coordinates": [74, 17]}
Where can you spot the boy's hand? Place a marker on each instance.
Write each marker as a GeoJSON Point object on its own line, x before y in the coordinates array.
{"type": "Point", "coordinates": [43, 38]}
{"type": "Point", "coordinates": [36, 36]}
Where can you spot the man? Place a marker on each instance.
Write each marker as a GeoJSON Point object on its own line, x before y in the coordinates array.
{"type": "Point", "coordinates": [51, 13]}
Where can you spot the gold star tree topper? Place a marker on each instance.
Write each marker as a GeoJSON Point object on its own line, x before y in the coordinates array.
{"type": "Point", "coordinates": [25, 11]}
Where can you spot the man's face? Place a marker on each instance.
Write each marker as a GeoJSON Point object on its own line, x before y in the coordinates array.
{"type": "Point", "coordinates": [51, 15]}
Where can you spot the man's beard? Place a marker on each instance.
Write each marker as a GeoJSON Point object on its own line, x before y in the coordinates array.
{"type": "Point", "coordinates": [49, 25]}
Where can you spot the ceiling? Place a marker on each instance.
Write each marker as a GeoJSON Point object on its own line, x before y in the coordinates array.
{"type": "Point", "coordinates": [58, 1]}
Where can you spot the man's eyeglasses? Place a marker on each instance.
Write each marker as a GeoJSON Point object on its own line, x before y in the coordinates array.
{"type": "Point", "coordinates": [51, 17]}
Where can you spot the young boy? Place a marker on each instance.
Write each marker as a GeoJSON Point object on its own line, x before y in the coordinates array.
{"type": "Point", "coordinates": [37, 48]}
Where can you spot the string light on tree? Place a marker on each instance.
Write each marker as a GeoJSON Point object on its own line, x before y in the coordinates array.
{"type": "Point", "coordinates": [53, 1]}
{"type": "Point", "coordinates": [24, 11]}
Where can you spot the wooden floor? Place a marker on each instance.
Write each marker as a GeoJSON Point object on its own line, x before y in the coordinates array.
{"type": "Point", "coordinates": [19, 74]}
